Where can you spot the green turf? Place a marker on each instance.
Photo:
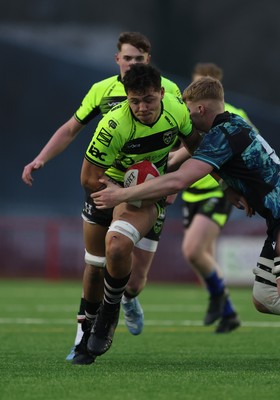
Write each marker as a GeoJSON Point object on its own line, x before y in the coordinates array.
{"type": "Point", "coordinates": [174, 358]}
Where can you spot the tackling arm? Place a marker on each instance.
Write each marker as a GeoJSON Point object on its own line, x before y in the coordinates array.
{"type": "Point", "coordinates": [173, 182]}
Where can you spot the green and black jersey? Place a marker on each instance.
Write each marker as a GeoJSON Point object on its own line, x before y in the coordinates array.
{"type": "Point", "coordinates": [106, 94]}
{"type": "Point", "coordinates": [121, 140]}
{"type": "Point", "coordinates": [208, 187]}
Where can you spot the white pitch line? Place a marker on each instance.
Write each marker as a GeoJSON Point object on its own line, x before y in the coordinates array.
{"type": "Point", "coordinates": [73, 308]}
{"type": "Point", "coordinates": [48, 321]}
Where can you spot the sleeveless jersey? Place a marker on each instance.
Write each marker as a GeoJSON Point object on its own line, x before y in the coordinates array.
{"type": "Point", "coordinates": [106, 94]}
{"type": "Point", "coordinates": [208, 187]}
{"type": "Point", "coordinates": [245, 161]}
{"type": "Point", "coordinates": [121, 140]}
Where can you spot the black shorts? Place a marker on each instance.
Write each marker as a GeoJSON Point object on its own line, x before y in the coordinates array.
{"type": "Point", "coordinates": [104, 217]}
{"type": "Point", "coordinates": [215, 208]}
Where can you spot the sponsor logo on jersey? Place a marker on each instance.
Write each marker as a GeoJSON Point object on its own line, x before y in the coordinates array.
{"type": "Point", "coordinates": [112, 104]}
{"type": "Point", "coordinates": [104, 137]}
{"type": "Point", "coordinates": [115, 105]}
{"type": "Point", "coordinates": [112, 124]}
{"type": "Point", "coordinates": [94, 152]}
{"type": "Point", "coordinates": [134, 146]}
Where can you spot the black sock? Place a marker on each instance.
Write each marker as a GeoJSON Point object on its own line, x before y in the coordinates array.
{"type": "Point", "coordinates": [82, 308]}
{"type": "Point", "coordinates": [113, 291]}
{"type": "Point", "coordinates": [91, 309]}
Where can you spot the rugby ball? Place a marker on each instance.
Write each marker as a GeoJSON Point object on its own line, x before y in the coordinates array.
{"type": "Point", "coordinates": [139, 173]}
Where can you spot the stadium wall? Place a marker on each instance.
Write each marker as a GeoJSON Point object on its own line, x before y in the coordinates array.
{"type": "Point", "coordinates": [40, 226]}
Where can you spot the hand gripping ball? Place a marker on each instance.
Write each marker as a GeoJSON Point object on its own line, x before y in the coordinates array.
{"type": "Point", "coordinates": [139, 173]}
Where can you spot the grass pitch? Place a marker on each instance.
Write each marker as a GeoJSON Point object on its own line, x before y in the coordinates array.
{"type": "Point", "coordinates": [175, 357]}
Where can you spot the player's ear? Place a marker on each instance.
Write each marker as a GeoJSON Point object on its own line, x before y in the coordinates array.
{"type": "Point", "coordinates": [201, 109]}
{"type": "Point", "coordinates": [117, 57]}
{"type": "Point", "coordinates": [162, 90]}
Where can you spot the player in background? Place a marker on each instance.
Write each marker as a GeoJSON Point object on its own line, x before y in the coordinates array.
{"type": "Point", "coordinates": [145, 127]}
{"type": "Point", "coordinates": [205, 212]}
{"type": "Point", "coordinates": [245, 163]}
{"type": "Point", "coordinates": [133, 47]}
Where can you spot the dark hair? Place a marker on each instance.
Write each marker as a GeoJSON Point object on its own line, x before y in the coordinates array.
{"type": "Point", "coordinates": [140, 77]}
{"type": "Point", "coordinates": [136, 39]}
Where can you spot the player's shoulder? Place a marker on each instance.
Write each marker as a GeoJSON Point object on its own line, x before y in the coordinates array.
{"type": "Point", "coordinates": [172, 101]}
{"type": "Point", "coordinates": [170, 86]}
{"type": "Point", "coordinates": [120, 113]}
{"type": "Point", "coordinates": [106, 82]}
{"type": "Point", "coordinates": [234, 110]}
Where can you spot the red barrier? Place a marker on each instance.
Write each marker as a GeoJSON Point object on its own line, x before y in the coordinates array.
{"type": "Point", "coordinates": [53, 248]}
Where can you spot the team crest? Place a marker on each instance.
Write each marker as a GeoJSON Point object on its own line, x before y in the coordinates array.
{"type": "Point", "coordinates": [167, 137]}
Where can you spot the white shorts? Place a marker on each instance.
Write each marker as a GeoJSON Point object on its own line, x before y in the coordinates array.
{"type": "Point", "coordinates": [266, 293]}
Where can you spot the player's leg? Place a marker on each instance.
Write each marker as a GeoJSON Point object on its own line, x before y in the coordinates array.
{"type": "Point", "coordinates": [142, 257]}
{"type": "Point", "coordinates": [203, 224]}
{"type": "Point", "coordinates": [95, 226]}
{"type": "Point", "coordinates": [265, 294]}
{"type": "Point", "coordinates": [133, 312]}
{"type": "Point", "coordinates": [92, 278]}
{"type": "Point", "coordinates": [128, 226]}
{"type": "Point", "coordinates": [79, 332]}
{"type": "Point", "coordinates": [94, 238]}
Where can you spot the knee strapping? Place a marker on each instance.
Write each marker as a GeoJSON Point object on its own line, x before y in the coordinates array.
{"type": "Point", "coordinates": [147, 245]}
{"type": "Point", "coordinates": [126, 229]}
{"type": "Point", "coordinates": [95, 261]}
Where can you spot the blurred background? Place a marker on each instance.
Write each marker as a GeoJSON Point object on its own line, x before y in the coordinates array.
{"type": "Point", "coordinates": [52, 51]}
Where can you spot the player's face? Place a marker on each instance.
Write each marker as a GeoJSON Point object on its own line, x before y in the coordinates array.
{"type": "Point", "coordinates": [197, 115]}
{"type": "Point", "coordinates": [146, 107]}
{"type": "Point", "coordinates": [128, 56]}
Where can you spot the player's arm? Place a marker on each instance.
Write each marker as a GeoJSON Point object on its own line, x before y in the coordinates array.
{"type": "Point", "coordinates": [173, 182]}
{"type": "Point", "coordinates": [176, 158]}
{"type": "Point", "coordinates": [56, 145]}
{"type": "Point", "coordinates": [233, 196]}
{"type": "Point", "coordinates": [192, 141]}
{"type": "Point", "coordinates": [91, 175]}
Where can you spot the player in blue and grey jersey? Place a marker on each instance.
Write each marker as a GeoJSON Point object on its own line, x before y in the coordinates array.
{"type": "Point", "coordinates": [246, 164]}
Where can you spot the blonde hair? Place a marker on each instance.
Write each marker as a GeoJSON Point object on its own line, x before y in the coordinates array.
{"type": "Point", "coordinates": [203, 89]}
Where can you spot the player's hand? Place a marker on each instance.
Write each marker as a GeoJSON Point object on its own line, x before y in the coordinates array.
{"type": "Point", "coordinates": [239, 201]}
{"type": "Point", "coordinates": [109, 197]}
{"type": "Point", "coordinates": [28, 169]}
{"type": "Point", "coordinates": [170, 199]}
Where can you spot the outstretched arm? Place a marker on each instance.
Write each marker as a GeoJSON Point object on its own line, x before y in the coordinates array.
{"type": "Point", "coordinates": [57, 143]}
{"type": "Point", "coordinates": [173, 182]}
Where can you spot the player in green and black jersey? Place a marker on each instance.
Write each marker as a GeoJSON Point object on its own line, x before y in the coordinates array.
{"type": "Point", "coordinates": [133, 48]}
{"type": "Point", "coordinates": [144, 127]}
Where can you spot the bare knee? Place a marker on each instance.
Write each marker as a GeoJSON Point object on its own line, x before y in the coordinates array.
{"type": "Point", "coordinates": [117, 248]}
{"type": "Point", "coordinates": [191, 253]}
{"type": "Point", "coordinates": [136, 284]}
{"type": "Point", "coordinates": [260, 307]}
